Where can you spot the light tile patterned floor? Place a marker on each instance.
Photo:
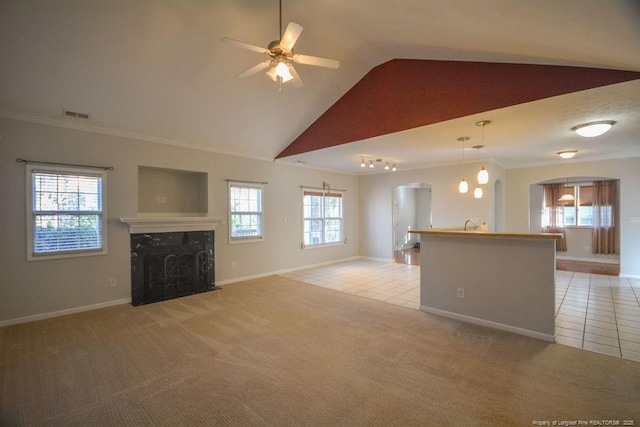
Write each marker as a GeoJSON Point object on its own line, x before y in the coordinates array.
{"type": "Point", "coordinates": [385, 281]}
{"type": "Point", "coordinates": [599, 313]}
{"type": "Point", "coordinates": [593, 312]}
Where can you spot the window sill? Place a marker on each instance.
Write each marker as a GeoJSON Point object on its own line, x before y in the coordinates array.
{"type": "Point", "coordinates": [323, 245]}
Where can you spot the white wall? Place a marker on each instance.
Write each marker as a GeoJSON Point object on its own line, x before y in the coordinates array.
{"type": "Point", "coordinates": [626, 170]}
{"type": "Point", "coordinates": [32, 289]}
{"type": "Point", "coordinates": [448, 207]}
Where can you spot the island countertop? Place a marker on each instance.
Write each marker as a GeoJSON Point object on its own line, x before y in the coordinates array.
{"type": "Point", "coordinates": [477, 233]}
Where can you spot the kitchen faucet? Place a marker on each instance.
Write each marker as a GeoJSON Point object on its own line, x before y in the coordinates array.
{"type": "Point", "coordinates": [467, 222]}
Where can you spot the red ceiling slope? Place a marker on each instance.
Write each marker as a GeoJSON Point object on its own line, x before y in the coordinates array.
{"type": "Point", "coordinates": [403, 94]}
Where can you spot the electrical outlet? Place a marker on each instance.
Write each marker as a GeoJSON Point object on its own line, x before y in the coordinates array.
{"type": "Point", "coordinates": [233, 264]}
{"type": "Point", "coordinates": [460, 292]}
{"type": "Point", "coordinates": [111, 283]}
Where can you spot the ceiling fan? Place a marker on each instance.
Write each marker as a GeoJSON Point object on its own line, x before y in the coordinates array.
{"type": "Point", "coordinates": [281, 56]}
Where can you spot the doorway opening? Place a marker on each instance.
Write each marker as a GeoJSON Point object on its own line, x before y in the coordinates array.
{"type": "Point", "coordinates": [411, 210]}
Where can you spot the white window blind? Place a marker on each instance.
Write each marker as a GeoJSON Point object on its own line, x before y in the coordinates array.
{"type": "Point", "coordinates": [67, 211]}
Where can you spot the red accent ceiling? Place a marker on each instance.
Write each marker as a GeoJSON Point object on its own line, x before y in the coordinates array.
{"type": "Point", "coordinates": [403, 94]}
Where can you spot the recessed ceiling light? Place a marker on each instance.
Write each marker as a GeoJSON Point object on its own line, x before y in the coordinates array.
{"type": "Point", "coordinates": [569, 154]}
{"type": "Point", "coordinates": [591, 129]}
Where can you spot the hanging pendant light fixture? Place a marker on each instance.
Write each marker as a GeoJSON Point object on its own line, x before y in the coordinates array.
{"type": "Point", "coordinates": [477, 193]}
{"type": "Point", "coordinates": [483, 174]}
{"type": "Point", "coordinates": [463, 186]}
{"type": "Point", "coordinates": [567, 197]}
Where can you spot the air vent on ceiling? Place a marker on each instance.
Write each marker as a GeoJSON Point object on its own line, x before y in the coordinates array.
{"type": "Point", "coordinates": [76, 114]}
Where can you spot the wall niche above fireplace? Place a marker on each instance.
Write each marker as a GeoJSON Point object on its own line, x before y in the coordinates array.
{"type": "Point", "coordinates": [171, 192]}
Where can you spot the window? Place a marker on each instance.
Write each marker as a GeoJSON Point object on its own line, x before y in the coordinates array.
{"type": "Point", "coordinates": [65, 212]}
{"type": "Point", "coordinates": [573, 213]}
{"type": "Point", "coordinates": [245, 212]}
{"type": "Point", "coordinates": [322, 217]}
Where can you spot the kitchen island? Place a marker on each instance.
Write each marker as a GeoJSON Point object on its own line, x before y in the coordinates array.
{"type": "Point", "coordinates": [501, 280]}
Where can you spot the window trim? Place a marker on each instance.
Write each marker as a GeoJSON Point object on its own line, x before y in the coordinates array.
{"type": "Point", "coordinates": [30, 215]}
{"type": "Point", "coordinates": [249, 239]}
{"type": "Point", "coordinates": [342, 221]}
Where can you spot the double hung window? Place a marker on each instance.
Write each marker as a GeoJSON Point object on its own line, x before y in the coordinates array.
{"type": "Point", "coordinates": [65, 212]}
{"type": "Point", "coordinates": [577, 212]}
{"type": "Point", "coordinates": [322, 218]}
{"type": "Point", "coordinates": [245, 212]}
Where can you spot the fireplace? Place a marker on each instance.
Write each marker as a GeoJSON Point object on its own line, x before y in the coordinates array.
{"type": "Point", "coordinates": [171, 258]}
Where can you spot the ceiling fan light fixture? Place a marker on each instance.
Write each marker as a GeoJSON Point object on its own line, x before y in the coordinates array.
{"type": "Point", "coordinates": [569, 154]}
{"type": "Point", "coordinates": [283, 72]}
{"type": "Point", "coordinates": [592, 129]}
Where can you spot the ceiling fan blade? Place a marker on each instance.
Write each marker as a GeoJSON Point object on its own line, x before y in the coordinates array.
{"type": "Point", "coordinates": [244, 45]}
{"type": "Point", "coordinates": [290, 35]}
{"type": "Point", "coordinates": [317, 61]}
{"type": "Point", "coordinates": [255, 69]}
{"type": "Point", "coordinates": [296, 81]}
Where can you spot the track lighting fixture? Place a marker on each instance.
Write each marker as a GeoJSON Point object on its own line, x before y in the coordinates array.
{"type": "Point", "coordinates": [388, 164]}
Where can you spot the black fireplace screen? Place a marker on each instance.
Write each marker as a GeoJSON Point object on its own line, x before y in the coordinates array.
{"type": "Point", "coordinates": [171, 265]}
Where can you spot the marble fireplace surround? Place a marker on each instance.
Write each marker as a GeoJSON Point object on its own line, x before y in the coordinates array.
{"type": "Point", "coordinates": [171, 257]}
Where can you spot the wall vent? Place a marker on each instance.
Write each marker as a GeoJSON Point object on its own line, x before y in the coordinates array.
{"type": "Point", "coordinates": [76, 114]}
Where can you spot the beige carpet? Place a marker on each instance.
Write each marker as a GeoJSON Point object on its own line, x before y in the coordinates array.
{"type": "Point", "coordinates": [278, 352]}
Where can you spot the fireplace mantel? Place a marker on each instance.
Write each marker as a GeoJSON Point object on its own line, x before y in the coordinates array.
{"type": "Point", "coordinates": [171, 224]}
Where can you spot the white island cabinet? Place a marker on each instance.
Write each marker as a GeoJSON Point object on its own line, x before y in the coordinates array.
{"type": "Point", "coordinates": [501, 280]}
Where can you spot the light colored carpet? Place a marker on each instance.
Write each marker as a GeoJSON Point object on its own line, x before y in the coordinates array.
{"type": "Point", "coordinates": [278, 352]}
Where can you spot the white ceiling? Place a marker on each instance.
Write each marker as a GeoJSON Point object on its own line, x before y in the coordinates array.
{"type": "Point", "coordinates": [157, 70]}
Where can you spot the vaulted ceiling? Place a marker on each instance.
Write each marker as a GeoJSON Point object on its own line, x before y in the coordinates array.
{"type": "Point", "coordinates": [157, 71]}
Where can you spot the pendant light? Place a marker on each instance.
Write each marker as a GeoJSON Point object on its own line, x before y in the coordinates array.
{"type": "Point", "coordinates": [463, 186]}
{"type": "Point", "coordinates": [477, 193]}
{"type": "Point", "coordinates": [567, 197]}
{"type": "Point", "coordinates": [483, 174]}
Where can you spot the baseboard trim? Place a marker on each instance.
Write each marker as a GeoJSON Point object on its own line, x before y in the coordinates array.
{"type": "Point", "coordinates": [65, 312]}
{"type": "Point", "coordinates": [284, 271]}
{"type": "Point", "coordinates": [593, 260]}
{"type": "Point", "coordinates": [490, 324]}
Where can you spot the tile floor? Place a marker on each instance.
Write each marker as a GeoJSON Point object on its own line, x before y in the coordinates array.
{"type": "Point", "coordinates": [594, 312]}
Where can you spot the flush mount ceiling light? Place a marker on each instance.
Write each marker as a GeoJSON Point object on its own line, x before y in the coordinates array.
{"type": "Point", "coordinates": [591, 129]}
{"type": "Point", "coordinates": [483, 174]}
{"type": "Point", "coordinates": [569, 154]}
{"type": "Point", "coordinates": [463, 186]}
